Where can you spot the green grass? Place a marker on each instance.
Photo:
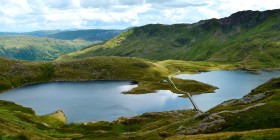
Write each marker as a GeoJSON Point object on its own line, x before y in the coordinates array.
{"type": "Point", "coordinates": [147, 74]}
{"type": "Point", "coordinates": [266, 134]}
{"type": "Point", "coordinates": [20, 122]}
{"type": "Point", "coordinates": [196, 66]}
{"type": "Point", "coordinates": [249, 40]}
{"type": "Point", "coordinates": [258, 123]}
{"type": "Point", "coordinates": [38, 48]}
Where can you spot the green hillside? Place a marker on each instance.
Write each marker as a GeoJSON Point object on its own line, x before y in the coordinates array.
{"type": "Point", "coordinates": [89, 35]}
{"type": "Point", "coordinates": [254, 116]}
{"type": "Point", "coordinates": [250, 38]}
{"type": "Point", "coordinates": [148, 75]}
{"type": "Point", "coordinates": [37, 48]}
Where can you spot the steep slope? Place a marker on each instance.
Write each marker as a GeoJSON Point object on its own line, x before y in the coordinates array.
{"type": "Point", "coordinates": [89, 35]}
{"type": "Point", "coordinates": [250, 38]}
{"type": "Point", "coordinates": [37, 48]}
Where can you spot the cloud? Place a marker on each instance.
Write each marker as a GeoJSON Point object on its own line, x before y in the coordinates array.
{"type": "Point", "coordinates": [26, 15]}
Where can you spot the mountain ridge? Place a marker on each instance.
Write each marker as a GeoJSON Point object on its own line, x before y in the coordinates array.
{"type": "Point", "coordinates": [88, 35]}
{"type": "Point", "coordinates": [240, 34]}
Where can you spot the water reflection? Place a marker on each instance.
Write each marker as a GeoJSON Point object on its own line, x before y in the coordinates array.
{"type": "Point", "coordinates": [103, 100]}
{"type": "Point", "coordinates": [93, 101]}
{"type": "Point", "coordinates": [232, 84]}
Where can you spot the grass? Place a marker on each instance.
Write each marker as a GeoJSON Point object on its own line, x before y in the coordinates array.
{"type": "Point", "coordinates": [196, 66]}
{"type": "Point", "coordinates": [19, 122]}
{"type": "Point", "coordinates": [150, 76]}
{"type": "Point", "coordinates": [250, 40]}
{"type": "Point", "coordinates": [38, 48]}
{"type": "Point", "coordinates": [265, 134]}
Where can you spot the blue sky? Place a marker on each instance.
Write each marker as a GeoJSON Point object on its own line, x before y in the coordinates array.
{"type": "Point", "coordinates": [30, 15]}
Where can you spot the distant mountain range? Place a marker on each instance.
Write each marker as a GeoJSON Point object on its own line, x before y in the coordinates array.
{"type": "Point", "coordinates": [49, 44]}
{"type": "Point", "coordinates": [249, 38]}
{"type": "Point", "coordinates": [38, 48]}
{"type": "Point", "coordinates": [40, 33]}
{"type": "Point", "coordinates": [89, 35]}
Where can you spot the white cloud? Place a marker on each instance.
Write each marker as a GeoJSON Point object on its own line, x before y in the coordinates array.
{"type": "Point", "coordinates": [25, 15]}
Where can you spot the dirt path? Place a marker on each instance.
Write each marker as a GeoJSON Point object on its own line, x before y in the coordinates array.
{"type": "Point", "coordinates": [190, 97]}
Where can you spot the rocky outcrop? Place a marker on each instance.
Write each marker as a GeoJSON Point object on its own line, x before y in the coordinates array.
{"type": "Point", "coordinates": [214, 119]}
{"type": "Point", "coordinates": [59, 115]}
{"type": "Point", "coordinates": [247, 99]}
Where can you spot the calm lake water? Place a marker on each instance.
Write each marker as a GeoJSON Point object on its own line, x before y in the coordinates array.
{"type": "Point", "coordinates": [93, 101]}
{"type": "Point", "coordinates": [103, 100]}
{"type": "Point", "coordinates": [231, 84]}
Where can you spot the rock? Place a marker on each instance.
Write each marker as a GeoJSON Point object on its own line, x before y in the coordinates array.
{"type": "Point", "coordinates": [59, 115]}
{"type": "Point", "coordinates": [181, 127]}
{"type": "Point", "coordinates": [226, 103]}
{"type": "Point", "coordinates": [252, 98]}
{"type": "Point", "coordinates": [124, 120]}
{"type": "Point", "coordinates": [45, 124]}
{"type": "Point", "coordinates": [128, 133]}
{"type": "Point", "coordinates": [121, 119]}
{"type": "Point", "coordinates": [198, 115]}
{"type": "Point", "coordinates": [164, 134]}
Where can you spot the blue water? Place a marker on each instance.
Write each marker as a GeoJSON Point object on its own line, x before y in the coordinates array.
{"type": "Point", "coordinates": [231, 84]}
{"type": "Point", "coordinates": [93, 101]}
{"type": "Point", "coordinates": [103, 100]}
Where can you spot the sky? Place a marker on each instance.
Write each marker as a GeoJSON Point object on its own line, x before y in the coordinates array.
{"type": "Point", "coordinates": [31, 15]}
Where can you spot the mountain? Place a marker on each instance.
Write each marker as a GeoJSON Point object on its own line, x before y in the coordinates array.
{"type": "Point", "coordinates": [37, 48]}
{"type": "Point", "coordinates": [89, 35]}
{"type": "Point", "coordinates": [39, 33]}
{"type": "Point", "coordinates": [42, 33]}
{"type": "Point", "coordinates": [249, 38]}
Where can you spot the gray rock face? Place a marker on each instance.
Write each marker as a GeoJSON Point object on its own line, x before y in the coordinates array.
{"type": "Point", "coordinates": [253, 98]}
{"type": "Point", "coordinates": [246, 99]}
{"type": "Point", "coordinates": [215, 118]}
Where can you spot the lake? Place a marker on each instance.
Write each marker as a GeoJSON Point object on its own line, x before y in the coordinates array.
{"type": "Point", "coordinates": [231, 84]}
{"type": "Point", "coordinates": [93, 101]}
{"type": "Point", "coordinates": [103, 100]}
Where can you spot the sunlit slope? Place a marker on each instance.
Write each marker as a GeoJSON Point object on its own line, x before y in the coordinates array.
{"type": "Point", "coordinates": [149, 75]}
{"type": "Point", "coordinates": [250, 38]}
{"type": "Point", "coordinates": [38, 48]}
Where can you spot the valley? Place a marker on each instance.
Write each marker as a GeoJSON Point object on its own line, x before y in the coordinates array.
{"type": "Point", "coordinates": [47, 45]}
{"type": "Point", "coordinates": [136, 83]}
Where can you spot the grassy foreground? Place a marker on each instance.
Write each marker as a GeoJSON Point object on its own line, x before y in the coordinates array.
{"type": "Point", "coordinates": [263, 134]}
{"type": "Point", "coordinates": [255, 116]}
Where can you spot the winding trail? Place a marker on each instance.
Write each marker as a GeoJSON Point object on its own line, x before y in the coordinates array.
{"type": "Point", "coordinates": [190, 97]}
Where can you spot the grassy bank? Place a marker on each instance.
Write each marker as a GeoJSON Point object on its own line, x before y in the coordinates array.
{"type": "Point", "coordinates": [150, 76]}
